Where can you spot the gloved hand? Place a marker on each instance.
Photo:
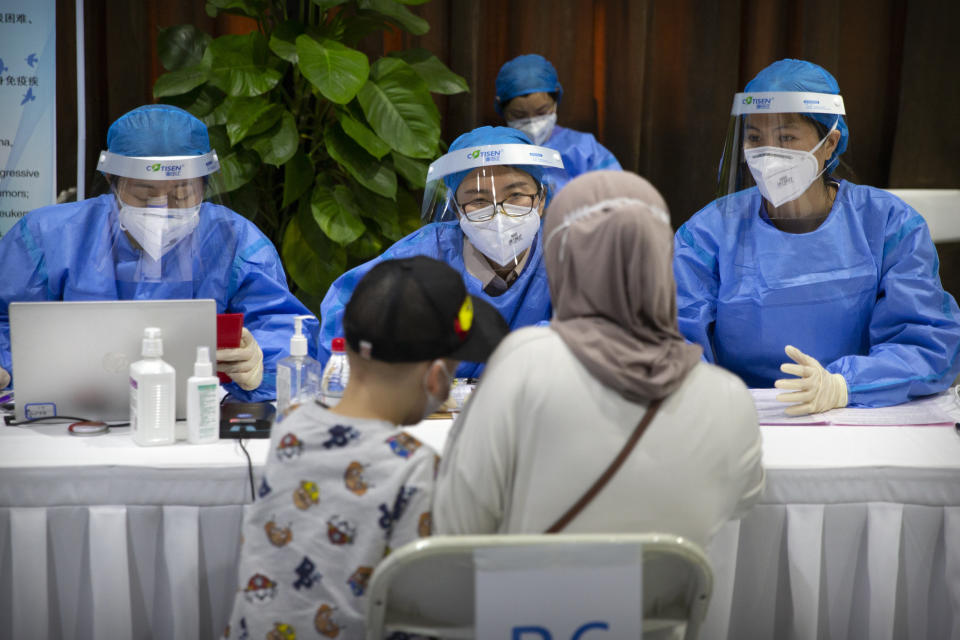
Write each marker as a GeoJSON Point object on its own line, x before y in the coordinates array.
{"type": "Point", "coordinates": [244, 364]}
{"type": "Point", "coordinates": [4, 378]}
{"type": "Point", "coordinates": [816, 389]}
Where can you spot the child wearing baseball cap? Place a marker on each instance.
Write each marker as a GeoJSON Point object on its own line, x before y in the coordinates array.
{"type": "Point", "coordinates": [343, 486]}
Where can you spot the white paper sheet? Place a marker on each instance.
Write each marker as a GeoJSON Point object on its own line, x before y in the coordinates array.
{"type": "Point", "coordinates": [939, 410]}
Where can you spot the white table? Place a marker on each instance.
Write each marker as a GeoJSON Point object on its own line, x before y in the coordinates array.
{"type": "Point", "coordinates": [857, 536]}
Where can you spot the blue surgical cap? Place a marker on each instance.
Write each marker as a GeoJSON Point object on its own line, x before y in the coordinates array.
{"type": "Point", "coordinates": [524, 75]}
{"type": "Point", "coordinates": [158, 130]}
{"type": "Point", "coordinates": [800, 75]}
{"type": "Point", "coordinates": [491, 135]}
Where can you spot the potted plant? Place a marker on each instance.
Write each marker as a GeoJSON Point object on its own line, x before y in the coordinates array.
{"type": "Point", "coordinates": [323, 149]}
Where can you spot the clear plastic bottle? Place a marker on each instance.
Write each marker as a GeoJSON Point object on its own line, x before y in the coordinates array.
{"type": "Point", "coordinates": [336, 374]}
{"type": "Point", "coordinates": [298, 375]}
{"type": "Point", "coordinates": [153, 406]}
{"type": "Point", "coordinates": [203, 406]}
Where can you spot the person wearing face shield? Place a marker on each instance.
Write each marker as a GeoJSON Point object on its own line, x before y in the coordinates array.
{"type": "Point", "coordinates": [528, 94]}
{"type": "Point", "coordinates": [560, 403]}
{"type": "Point", "coordinates": [839, 277]}
{"type": "Point", "coordinates": [154, 236]}
{"type": "Point", "coordinates": [485, 198]}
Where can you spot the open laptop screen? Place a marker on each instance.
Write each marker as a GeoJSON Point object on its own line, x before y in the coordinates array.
{"type": "Point", "coordinates": [73, 358]}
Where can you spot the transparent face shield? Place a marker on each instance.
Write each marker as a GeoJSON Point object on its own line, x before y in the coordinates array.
{"type": "Point", "coordinates": [493, 194]}
{"type": "Point", "coordinates": [156, 208]}
{"type": "Point", "coordinates": [774, 144]}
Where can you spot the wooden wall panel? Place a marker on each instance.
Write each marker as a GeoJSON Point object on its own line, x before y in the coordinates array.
{"type": "Point", "coordinates": [653, 79]}
{"type": "Point", "coordinates": [690, 79]}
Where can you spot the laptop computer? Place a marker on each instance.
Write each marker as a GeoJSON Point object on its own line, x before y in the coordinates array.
{"type": "Point", "coordinates": [73, 358]}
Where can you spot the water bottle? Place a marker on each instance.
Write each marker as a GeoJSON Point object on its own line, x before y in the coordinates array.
{"type": "Point", "coordinates": [336, 374]}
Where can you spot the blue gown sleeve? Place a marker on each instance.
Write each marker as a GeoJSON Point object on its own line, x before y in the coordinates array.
{"type": "Point", "coordinates": [24, 278]}
{"type": "Point", "coordinates": [915, 326]}
{"type": "Point", "coordinates": [698, 281]}
{"type": "Point", "coordinates": [602, 158]}
{"type": "Point", "coordinates": [258, 290]}
{"type": "Point", "coordinates": [424, 242]}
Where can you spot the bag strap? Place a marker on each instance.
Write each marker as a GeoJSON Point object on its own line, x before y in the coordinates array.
{"type": "Point", "coordinates": [604, 478]}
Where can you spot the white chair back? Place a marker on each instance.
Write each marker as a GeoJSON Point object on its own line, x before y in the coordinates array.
{"type": "Point", "coordinates": [427, 586]}
{"type": "Point", "coordinates": [939, 207]}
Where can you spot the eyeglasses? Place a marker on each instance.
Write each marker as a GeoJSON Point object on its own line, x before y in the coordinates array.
{"type": "Point", "coordinates": [481, 210]}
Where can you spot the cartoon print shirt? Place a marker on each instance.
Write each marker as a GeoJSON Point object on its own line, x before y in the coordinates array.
{"type": "Point", "coordinates": [337, 494]}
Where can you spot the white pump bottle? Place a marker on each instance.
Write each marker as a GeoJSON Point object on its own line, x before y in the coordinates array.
{"type": "Point", "coordinates": [153, 405]}
{"type": "Point", "coordinates": [298, 375]}
{"type": "Point", "coordinates": [203, 406]}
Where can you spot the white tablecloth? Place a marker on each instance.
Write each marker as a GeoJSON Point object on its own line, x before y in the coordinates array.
{"type": "Point", "coordinates": [857, 536]}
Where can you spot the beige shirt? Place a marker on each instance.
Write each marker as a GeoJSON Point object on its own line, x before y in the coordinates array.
{"type": "Point", "coordinates": [540, 429]}
{"type": "Point", "coordinates": [478, 266]}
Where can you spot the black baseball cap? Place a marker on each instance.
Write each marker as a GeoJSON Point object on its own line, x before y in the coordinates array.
{"type": "Point", "coordinates": [417, 309]}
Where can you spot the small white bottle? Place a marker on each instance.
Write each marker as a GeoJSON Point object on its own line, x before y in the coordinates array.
{"type": "Point", "coordinates": [336, 374]}
{"type": "Point", "coordinates": [153, 406]}
{"type": "Point", "coordinates": [298, 375]}
{"type": "Point", "coordinates": [203, 406]}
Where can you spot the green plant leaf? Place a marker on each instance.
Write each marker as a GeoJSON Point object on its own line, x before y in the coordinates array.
{"type": "Point", "coordinates": [367, 246]}
{"type": "Point", "coordinates": [362, 25]}
{"type": "Point", "coordinates": [363, 135]}
{"type": "Point", "coordinates": [439, 77]}
{"type": "Point", "coordinates": [219, 140]}
{"type": "Point", "coordinates": [337, 214]}
{"type": "Point", "coordinates": [283, 40]}
{"type": "Point", "coordinates": [238, 65]}
{"type": "Point", "coordinates": [250, 116]}
{"type": "Point", "coordinates": [297, 178]}
{"type": "Point", "coordinates": [278, 144]}
{"type": "Point", "coordinates": [200, 101]}
{"type": "Point", "coordinates": [312, 260]}
{"type": "Point", "coordinates": [409, 212]}
{"type": "Point", "coordinates": [415, 171]}
{"type": "Point", "coordinates": [366, 169]}
{"type": "Point", "coordinates": [218, 116]}
{"type": "Point", "coordinates": [236, 170]}
{"type": "Point", "coordinates": [175, 83]}
{"type": "Point", "coordinates": [250, 8]}
{"type": "Point", "coordinates": [398, 105]}
{"type": "Point", "coordinates": [337, 71]}
{"type": "Point", "coordinates": [181, 46]}
{"type": "Point", "coordinates": [383, 211]}
{"type": "Point", "coordinates": [414, 2]}
{"type": "Point", "coordinates": [398, 14]}
{"type": "Point", "coordinates": [326, 5]}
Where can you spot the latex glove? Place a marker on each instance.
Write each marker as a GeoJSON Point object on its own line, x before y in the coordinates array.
{"type": "Point", "coordinates": [244, 364]}
{"type": "Point", "coordinates": [816, 389]}
{"type": "Point", "coordinates": [4, 378]}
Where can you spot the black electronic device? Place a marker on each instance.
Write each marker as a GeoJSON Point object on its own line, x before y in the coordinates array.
{"type": "Point", "coordinates": [246, 419]}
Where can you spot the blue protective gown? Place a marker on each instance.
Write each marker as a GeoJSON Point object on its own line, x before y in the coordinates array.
{"type": "Point", "coordinates": [861, 294]}
{"type": "Point", "coordinates": [580, 152]}
{"type": "Point", "coordinates": [526, 302]}
{"type": "Point", "coordinates": [73, 252]}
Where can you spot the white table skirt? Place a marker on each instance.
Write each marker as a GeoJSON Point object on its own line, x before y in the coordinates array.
{"type": "Point", "coordinates": [857, 536]}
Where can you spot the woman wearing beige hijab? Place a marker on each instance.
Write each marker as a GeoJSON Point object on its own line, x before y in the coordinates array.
{"type": "Point", "coordinates": [557, 404]}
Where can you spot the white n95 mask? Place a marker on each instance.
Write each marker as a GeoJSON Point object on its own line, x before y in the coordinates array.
{"type": "Point", "coordinates": [158, 229]}
{"type": "Point", "coordinates": [782, 174]}
{"type": "Point", "coordinates": [538, 129]}
{"type": "Point", "coordinates": [502, 238]}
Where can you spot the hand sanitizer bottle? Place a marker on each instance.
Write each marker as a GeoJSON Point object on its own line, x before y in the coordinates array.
{"type": "Point", "coordinates": [152, 387]}
{"type": "Point", "coordinates": [203, 406]}
{"type": "Point", "coordinates": [298, 375]}
{"type": "Point", "coordinates": [336, 374]}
